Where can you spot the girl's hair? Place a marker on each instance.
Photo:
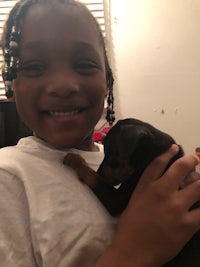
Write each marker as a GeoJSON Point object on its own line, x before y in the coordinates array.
{"type": "Point", "coordinates": [11, 39]}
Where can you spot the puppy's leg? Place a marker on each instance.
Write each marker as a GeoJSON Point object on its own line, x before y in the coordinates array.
{"type": "Point", "coordinates": [107, 194]}
{"type": "Point", "coordinates": [84, 172]}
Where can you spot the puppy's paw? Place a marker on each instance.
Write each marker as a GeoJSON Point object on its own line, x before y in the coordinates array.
{"type": "Point", "coordinates": [83, 171]}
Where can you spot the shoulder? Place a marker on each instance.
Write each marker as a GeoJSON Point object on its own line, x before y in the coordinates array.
{"type": "Point", "coordinates": [26, 155]}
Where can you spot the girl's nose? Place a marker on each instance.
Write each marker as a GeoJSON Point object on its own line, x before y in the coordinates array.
{"type": "Point", "coordinates": [62, 84]}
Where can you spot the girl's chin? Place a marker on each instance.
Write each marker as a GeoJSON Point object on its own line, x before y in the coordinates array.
{"type": "Point", "coordinates": [68, 142]}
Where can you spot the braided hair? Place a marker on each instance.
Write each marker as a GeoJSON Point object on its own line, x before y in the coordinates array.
{"type": "Point", "coordinates": [11, 40]}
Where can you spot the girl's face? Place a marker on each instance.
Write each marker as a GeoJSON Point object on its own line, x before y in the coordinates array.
{"type": "Point", "coordinates": [61, 83]}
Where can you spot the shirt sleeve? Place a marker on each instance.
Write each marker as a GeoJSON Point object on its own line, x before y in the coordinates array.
{"type": "Point", "coordinates": [16, 248]}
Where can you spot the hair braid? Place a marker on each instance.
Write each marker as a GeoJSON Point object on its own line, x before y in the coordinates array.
{"type": "Point", "coordinates": [10, 41]}
{"type": "Point", "coordinates": [110, 115]}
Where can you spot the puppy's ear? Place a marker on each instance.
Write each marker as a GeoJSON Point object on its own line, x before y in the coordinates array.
{"type": "Point", "coordinates": [129, 138]}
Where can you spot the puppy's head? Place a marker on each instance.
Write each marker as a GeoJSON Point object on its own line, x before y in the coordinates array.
{"type": "Point", "coordinates": [129, 147]}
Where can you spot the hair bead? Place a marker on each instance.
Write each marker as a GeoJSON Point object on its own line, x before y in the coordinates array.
{"type": "Point", "coordinates": [13, 68]}
{"type": "Point", "coordinates": [7, 55]}
{"type": "Point", "coordinates": [14, 42]}
{"type": "Point", "coordinates": [8, 87]}
{"type": "Point", "coordinates": [110, 117]}
{"type": "Point", "coordinates": [11, 59]}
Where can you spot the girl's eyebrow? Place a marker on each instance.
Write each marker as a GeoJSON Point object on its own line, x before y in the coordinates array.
{"type": "Point", "coordinates": [76, 45]}
{"type": "Point", "coordinates": [32, 45]}
{"type": "Point", "coordinates": [81, 44]}
{"type": "Point", "coordinates": [84, 46]}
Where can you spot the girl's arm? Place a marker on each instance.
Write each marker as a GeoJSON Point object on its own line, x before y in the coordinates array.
{"type": "Point", "coordinates": [157, 222]}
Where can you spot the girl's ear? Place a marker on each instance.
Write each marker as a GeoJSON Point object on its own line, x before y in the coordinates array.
{"type": "Point", "coordinates": [11, 99]}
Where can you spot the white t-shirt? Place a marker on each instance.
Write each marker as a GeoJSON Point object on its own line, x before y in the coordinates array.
{"type": "Point", "coordinates": [48, 218]}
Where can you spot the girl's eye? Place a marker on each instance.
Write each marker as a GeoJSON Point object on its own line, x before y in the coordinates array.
{"type": "Point", "coordinates": [32, 69]}
{"type": "Point", "coordinates": [86, 67]}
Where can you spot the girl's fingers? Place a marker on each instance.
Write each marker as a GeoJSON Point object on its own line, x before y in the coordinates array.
{"type": "Point", "coordinates": [157, 166]}
{"type": "Point", "coordinates": [192, 177]}
{"type": "Point", "coordinates": [179, 171]}
{"type": "Point", "coordinates": [190, 195]}
{"type": "Point", "coordinates": [175, 176]}
{"type": "Point", "coordinates": [194, 219]}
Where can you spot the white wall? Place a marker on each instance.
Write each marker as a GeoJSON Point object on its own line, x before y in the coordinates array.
{"type": "Point", "coordinates": [157, 65]}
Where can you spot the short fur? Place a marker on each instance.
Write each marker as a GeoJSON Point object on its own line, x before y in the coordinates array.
{"type": "Point", "coordinates": [129, 147]}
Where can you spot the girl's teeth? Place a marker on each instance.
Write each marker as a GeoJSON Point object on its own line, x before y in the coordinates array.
{"type": "Point", "coordinates": [61, 113]}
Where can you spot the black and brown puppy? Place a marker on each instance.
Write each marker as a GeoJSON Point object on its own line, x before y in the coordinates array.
{"type": "Point", "coordinates": [129, 147]}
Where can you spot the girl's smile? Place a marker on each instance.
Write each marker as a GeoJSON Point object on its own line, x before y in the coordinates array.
{"type": "Point", "coordinates": [60, 115]}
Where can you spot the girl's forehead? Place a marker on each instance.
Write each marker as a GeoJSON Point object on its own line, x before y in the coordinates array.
{"type": "Point", "coordinates": [53, 22]}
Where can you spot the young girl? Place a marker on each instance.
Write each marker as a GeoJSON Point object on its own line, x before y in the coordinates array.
{"type": "Point", "coordinates": [56, 67]}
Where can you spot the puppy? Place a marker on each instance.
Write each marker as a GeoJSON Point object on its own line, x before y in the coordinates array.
{"type": "Point", "coordinates": [129, 147]}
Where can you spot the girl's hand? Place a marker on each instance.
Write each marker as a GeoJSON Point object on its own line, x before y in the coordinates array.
{"type": "Point", "coordinates": [157, 222]}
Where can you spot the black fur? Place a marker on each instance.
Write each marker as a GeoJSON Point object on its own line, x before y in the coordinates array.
{"type": "Point", "coordinates": [134, 143]}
